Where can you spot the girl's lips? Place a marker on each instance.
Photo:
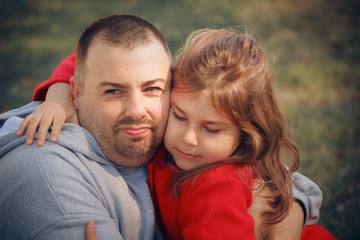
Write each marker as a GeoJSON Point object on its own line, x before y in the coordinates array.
{"type": "Point", "coordinates": [135, 131]}
{"type": "Point", "coordinates": [186, 155]}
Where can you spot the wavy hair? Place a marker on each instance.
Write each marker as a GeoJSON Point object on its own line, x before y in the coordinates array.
{"type": "Point", "coordinates": [234, 69]}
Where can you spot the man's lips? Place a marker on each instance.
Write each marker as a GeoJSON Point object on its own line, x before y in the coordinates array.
{"type": "Point", "coordinates": [186, 155]}
{"type": "Point", "coordinates": [135, 131]}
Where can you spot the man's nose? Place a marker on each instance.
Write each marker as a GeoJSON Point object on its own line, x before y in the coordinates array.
{"type": "Point", "coordinates": [190, 137]}
{"type": "Point", "coordinates": [135, 107]}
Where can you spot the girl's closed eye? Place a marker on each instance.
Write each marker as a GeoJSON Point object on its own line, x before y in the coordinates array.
{"type": "Point", "coordinates": [210, 130]}
{"type": "Point", "coordinates": [177, 116]}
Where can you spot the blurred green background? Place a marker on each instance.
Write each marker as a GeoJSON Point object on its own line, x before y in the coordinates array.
{"type": "Point", "coordinates": [313, 45]}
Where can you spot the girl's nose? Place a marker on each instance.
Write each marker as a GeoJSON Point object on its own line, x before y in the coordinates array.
{"type": "Point", "coordinates": [190, 137]}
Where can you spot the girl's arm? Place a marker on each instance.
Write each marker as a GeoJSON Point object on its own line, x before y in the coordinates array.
{"type": "Point", "coordinates": [56, 110]}
{"type": "Point", "coordinates": [58, 107]}
{"type": "Point", "coordinates": [62, 73]}
{"type": "Point", "coordinates": [289, 228]}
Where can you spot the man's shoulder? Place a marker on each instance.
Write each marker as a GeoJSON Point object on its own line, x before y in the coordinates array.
{"type": "Point", "coordinates": [28, 198]}
{"type": "Point", "coordinates": [21, 155]}
{"type": "Point", "coordinates": [32, 166]}
{"type": "Point", "coordinates": [43, 186]}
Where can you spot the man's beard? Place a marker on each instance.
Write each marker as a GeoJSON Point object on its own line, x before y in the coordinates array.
{"type": "Point", "coordinates": [127, 152]}
{"type": "Point", "coordinates": [139, 147]}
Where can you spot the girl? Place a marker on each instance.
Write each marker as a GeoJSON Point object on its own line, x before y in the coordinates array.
{"type": "Point", "coordinates": [225, 132]}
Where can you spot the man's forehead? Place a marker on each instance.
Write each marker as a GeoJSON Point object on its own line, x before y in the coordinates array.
{"type": "Point", "coordinates": [126, 47]}
{"type": "Point", "coordinates": [111, 65]}
{"type": "Point", "coordinates": [149, 57]}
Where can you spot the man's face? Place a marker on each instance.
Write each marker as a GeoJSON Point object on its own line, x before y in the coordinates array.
{"type": "Point", "coordinates": [125, 100]}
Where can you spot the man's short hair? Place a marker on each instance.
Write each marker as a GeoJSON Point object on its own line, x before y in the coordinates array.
{"type": "Point", "coordinates": [126, 31]}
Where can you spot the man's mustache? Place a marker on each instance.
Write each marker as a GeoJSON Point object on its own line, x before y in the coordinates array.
{"type": "Point", "coordinates": [124, 122]}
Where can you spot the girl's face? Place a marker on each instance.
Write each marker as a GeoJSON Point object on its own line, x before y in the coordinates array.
{"type": "Point", "coordinates": [196, 132]}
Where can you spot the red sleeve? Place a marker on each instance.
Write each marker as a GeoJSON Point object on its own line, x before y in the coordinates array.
{"type": "Point", "coordinates": [216, 208]}
{"type": "Point", "coordinates": [63, 73]}
{"type": "Point", "coordinates": [158, 157]}
{"type": "Point", "coordinates": [316, 232]}
{"type": "Point", "coordinates": [158, 186]}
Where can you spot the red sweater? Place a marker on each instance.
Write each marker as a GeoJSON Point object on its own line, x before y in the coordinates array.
{"type": "Point", "coordinates": [213, 207]}
{"type": "Point", "coordinates": [63, 73]}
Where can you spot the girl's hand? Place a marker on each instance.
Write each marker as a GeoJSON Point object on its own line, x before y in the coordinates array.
{"type": "Point", "coordinates": [47, 113]}
{"type": "Point", "coordinates": [289, 228]}
{"type": "Point", "coordinates": [56, 110]}
{"type": "Point", "coordinates": [90, 231]}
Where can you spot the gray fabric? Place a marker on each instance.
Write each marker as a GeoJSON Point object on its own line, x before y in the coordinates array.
{"type": "Point", "coordinates": [310, 195]}
{"type": "Point", "coordinates": [51, 192]}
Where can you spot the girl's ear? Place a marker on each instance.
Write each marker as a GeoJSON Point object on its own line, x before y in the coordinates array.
{"type": "Point", "coordinates": [75, 91]}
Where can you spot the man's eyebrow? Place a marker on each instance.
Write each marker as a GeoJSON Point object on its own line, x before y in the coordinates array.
{"type": "Point", "coordinates": [111, 84]}
{"type": "Point", "coordinates": [154, 81]}
{"type": "Point", "coordinates": [120, 85]}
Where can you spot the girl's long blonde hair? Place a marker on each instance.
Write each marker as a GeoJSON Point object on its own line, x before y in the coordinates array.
{"type": "Point", "coordinates": [234, 69]}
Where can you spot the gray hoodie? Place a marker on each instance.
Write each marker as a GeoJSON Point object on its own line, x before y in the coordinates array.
{"type": "Point", "coordinates": [52, 192]}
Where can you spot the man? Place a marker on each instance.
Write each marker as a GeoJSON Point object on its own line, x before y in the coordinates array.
{"type": "Point", "coordinates": [97, 171]}
{"type": "Point", "coordinates": [122, 91]}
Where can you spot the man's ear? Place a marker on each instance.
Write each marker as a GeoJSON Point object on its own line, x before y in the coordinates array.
{"type": "Point", "coordinates": [75, 91]}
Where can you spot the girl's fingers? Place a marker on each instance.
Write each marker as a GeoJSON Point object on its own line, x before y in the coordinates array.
{"type": "Point", "coordinates": [32, 126]}
{"type": "Point", "coordinates": [90, 231]}
{"type": "Point", "coordinates": [24, 124]}
{"type": "Point", "coordinates": [44, 126]}
{"type": "Point", "coordinates": [56, 128]}
{"type": "Point", "coordinates": [46, 114]}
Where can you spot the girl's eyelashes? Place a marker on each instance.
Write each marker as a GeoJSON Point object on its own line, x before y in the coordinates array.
{"type": "Point", "coordinates": [211, 130]}
{"type": "Point", "coordinates": [178, 117]}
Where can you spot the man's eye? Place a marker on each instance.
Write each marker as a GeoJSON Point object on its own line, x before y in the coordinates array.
{"type": "Point", "coordinates": [112, 91]}
{"type": "Point", "coordinates": [211, 130]}
{"type": "Point", "coordinates": [178, 117]}
{"type": "Point", "coordinates": [152, 89]}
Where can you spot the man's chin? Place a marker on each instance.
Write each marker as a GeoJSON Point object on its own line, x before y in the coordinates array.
{"type": "Point", "coordinates": [134, 148]}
